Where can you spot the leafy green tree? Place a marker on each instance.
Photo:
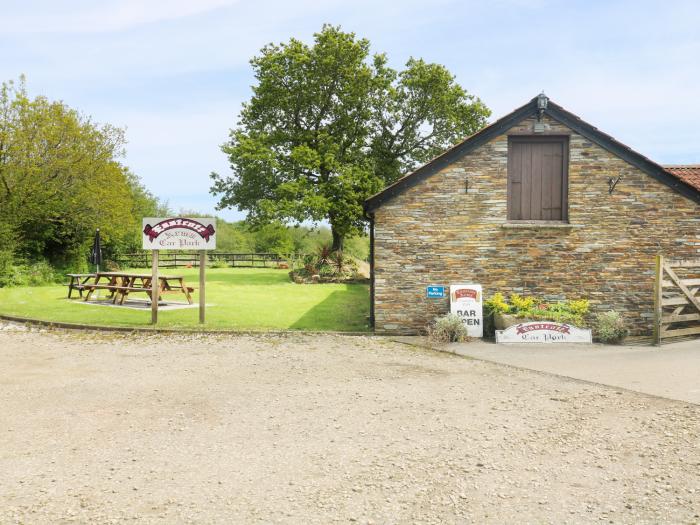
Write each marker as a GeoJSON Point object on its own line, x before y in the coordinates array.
{"type": "Point", "coordinates": [233, 237]}
{"type": "Point", "coordinates": [272, 238]}
{"type": "Point", "coordinates": [60, 178]}
{"type": "Point", "coordinates": [143, 204]}
{"type": "Point", "coordinates": [306, 240]}
{"type": "Point", "coordinates": [328, 125]}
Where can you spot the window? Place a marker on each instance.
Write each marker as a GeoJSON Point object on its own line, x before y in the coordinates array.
{"type": "Point", "coordinates": [537, 178]}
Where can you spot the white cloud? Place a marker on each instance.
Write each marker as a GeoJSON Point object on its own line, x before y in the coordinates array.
{"type": "Point", "coordinates": [102, 17]}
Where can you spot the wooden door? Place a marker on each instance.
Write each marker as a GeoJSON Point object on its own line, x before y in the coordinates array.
{"type": "Point", "coordinates": [537, 179]}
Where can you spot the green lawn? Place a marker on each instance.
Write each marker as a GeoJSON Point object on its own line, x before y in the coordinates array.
{"type": "Point", "coordinates": [237, 298]}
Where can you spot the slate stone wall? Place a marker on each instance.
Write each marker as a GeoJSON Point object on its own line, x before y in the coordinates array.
{"type": "Point", "coordinates": [440, 232]}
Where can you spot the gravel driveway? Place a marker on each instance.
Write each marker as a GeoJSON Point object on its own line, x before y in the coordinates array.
{"type": "Point", "coordinates": [106, 428]}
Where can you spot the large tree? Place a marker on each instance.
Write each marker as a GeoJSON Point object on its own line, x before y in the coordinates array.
{"type": "Point", "coordinates": [328, 125]}
{"type": "Point", "coordinates": [60, 178]}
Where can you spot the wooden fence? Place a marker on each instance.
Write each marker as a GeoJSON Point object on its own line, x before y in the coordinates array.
{"type": "Point", "coordinates": [676, 298]}
{"type": "Point", "coordinates": [184, 259]}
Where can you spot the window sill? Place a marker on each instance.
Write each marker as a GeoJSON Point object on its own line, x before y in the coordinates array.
{"type": "Point", "coordinates": [539, 225]}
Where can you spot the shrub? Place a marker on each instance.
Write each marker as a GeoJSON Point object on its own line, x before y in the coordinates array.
{"type": "Point", "coordinates": [14, 275]}
{"type": "Point", "coordinates": [571, 312]}
{"type": "Point", "coordinates": [326, 270]}
{"type": "Point", "coordinates": [521, 304]}
{"type": "Point", "coordinates": [330, 266]}
{"type": "Point", "coordinates": [579, 307]}
{"type": "Point", "coordinates": [219, 263]}
{"type": "Point", "coordinates": [448, 329]}
{"type": "Point", "coordinates": [111, 266]}
{"type": "Point", "coordinates": [610, 327]}
{"type": "Point", "coordinates": [323, 254]}
{"type": "Point", "coordinates": [7, 253]}
{"type": "Point", "coordinates": [497, 304]}
{"type": "Point", "coordinates": [41, 273]}
{"type": "Point", "coordinates": [36, 274]}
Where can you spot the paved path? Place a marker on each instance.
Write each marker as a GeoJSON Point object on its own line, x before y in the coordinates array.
{"type": "Point", "coordinates": [671, 371]}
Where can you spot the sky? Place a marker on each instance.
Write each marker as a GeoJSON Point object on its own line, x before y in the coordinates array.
{"type": "Point", "coordinates": [175, 72]}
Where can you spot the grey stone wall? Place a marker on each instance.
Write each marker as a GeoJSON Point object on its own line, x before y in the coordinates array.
{"type": "Point", "coordinates": [438, 232]}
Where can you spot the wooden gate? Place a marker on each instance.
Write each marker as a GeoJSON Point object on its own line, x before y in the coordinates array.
{"type": "Point", "coordinates": [676, 298]}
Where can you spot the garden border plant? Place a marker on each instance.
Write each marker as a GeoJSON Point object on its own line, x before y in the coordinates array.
{"type": "Point", "coordinates": [501, 314]}
{"type": "Point", "coordinates": [448, 328]}
{"type": "Point", "coordinates": [325, 266]}
{"type": "Point", "coordinates": [610, 327]}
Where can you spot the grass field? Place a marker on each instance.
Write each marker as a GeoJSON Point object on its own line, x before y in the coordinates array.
{"type": "Point", "coordinates": [237, 298]}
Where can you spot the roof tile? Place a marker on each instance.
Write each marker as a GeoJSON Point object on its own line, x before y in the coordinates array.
{"type": "Point", "coordinates": [690, 174]}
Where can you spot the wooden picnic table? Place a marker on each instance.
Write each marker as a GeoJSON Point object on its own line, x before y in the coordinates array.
{"type": "Point", "coordinates": [121, 284]}
{"type": "Point", "coordinates": [77, 282]}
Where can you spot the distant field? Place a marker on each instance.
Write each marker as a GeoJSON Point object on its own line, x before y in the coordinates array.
{"type": "Point", "coordinates": [237, 298]}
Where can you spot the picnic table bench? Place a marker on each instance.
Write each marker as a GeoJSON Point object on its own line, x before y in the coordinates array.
{"type": "Point", "coordinates": [77, 282]}
{"type": "Point", "coordinates": [121, 284]}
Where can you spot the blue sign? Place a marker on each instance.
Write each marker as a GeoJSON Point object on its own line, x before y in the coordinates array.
{"type": "Point", "coordinates": [435, 292]}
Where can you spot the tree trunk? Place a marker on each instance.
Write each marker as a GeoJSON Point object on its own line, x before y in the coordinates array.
{"type": "Point", "coordinates": [338, 240]}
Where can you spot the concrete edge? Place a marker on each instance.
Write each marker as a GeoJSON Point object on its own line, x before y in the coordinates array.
{"type": "Point", "coordinates": [156, 330]}
{"type": "Point", "coordinates": [446, 350]}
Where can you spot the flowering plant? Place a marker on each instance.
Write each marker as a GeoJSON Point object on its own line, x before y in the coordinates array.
{"type": "Point", "coordinates": [572, 311]}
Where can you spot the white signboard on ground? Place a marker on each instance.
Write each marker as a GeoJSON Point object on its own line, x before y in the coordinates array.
{"type": "Point", "coordinates": [466, 303]}
{"type": "Point", "coordinates": [543, 332]}
{"type": "Point", "coordinates": [179, 233]}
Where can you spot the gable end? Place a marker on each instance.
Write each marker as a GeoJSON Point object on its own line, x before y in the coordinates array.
{"type": "Point", "coordinates": [626, 153]}
{"type": "Point", "coordinates": [451, 155]}
{"type": "Point", "coordinates": [502, 125]}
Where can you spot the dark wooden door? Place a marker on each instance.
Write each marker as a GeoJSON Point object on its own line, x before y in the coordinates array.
{"type": "Point", "coordinates": [536, 180]}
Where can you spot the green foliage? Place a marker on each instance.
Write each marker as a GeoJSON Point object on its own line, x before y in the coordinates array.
{"type": "Point", "coordinates": [219, 263]}
{"type": "Point", "coordinates": [233, 237]}
{"type": "Point", "coordinates": [521, 304]}
{"type": "Point", "coordinates": [328, 264]}
{"type": "Point", "coordinates": [497, 304]}
{"type": "Point", "coordinates": [357, 247]}
{"type": "Point", "coordinates": [242, 237]}
{"type": "Point", "coordinates": [448, 329]}
{"type": "Point", "coordinates": [571, 312]}
{"type": "Point", "coordinates": [579, 307]}
{"type": "Point", "coordinates": [60, 178]}
{"type": "Point", "coordinates": [272, 238]}
{"type": "Point", "coordinates": [8, 244]}
{"type": "Point", "coordinates": [610, 327]}
{"type": "Point", "coordinates": [328, 125]}
{"type": "Point", "coordinates": [36, 274]}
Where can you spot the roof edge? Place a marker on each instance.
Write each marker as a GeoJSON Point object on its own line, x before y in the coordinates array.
{"type": "Point", "coordinates": [447, 157]}
{"type": "Point", "coordinates": [554, 111]}
{"type": "Point", "coordinates": [622, 151]}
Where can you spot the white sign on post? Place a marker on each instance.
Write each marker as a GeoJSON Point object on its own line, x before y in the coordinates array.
{"type": "Point", "coordinates": [466, 303]}
{"type": "Point", "coordinates": [178, 233]}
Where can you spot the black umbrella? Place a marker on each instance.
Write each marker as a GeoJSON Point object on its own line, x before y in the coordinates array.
{"type": "Point", "coordinates": [96, 252]}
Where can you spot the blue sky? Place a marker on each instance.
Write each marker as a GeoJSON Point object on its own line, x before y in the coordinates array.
{"type": "Point", "coordinates": [174, 72]}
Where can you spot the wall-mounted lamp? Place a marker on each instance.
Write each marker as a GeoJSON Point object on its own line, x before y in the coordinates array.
{"type": "Point", "coordinates": [612, 183]}
{"type": "Point", "coordinates": [542, 101]}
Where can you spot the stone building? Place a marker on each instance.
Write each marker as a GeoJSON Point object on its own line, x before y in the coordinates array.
{"type": "Point", "coordinates": [540, 203]}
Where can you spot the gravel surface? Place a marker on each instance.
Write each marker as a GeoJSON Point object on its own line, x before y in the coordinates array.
{"type": "Point", "coordinates": [110, 428]}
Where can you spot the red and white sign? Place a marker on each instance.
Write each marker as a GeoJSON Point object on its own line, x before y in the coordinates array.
{"type": "Point", "coordinates": [466, 303]}
{"type": "Point", "coordinates": [179, 233]}
{"type": "Point", "coordinates": [543, 332]}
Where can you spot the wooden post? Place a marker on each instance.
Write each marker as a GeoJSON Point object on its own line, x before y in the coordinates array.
{"type": "Point", "coordinates": [155, 287]}
{"type": "Point", "coordinates": [658, 298]}
{"type": "Point", "coordinates": [202, 299]}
